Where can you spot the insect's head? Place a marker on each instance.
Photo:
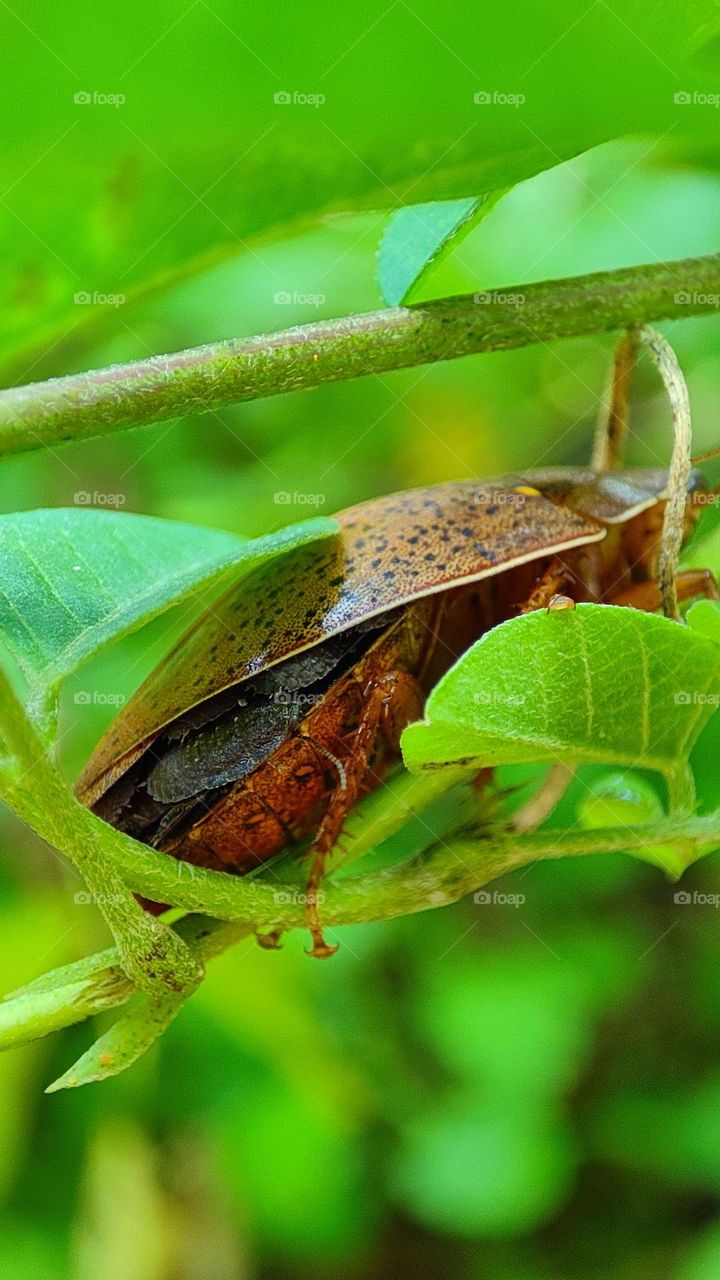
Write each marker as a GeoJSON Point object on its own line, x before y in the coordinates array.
{"type": "Point", "coordinates": [641, 534]}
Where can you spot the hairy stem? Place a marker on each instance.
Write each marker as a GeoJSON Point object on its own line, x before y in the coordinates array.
{"type": "Point", "coordinates": [435, 877]}
{"type": "Point", "coordinates": [680, 466]}
{"type": "Point", "coordinates": [31, 785]}
{"type": "Point", "coordinates": [438, 876]}
{"type": "Point", "coordinates": [221, 373]}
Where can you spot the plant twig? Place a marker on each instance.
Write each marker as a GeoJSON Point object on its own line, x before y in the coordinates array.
{"type": "Point", "coordinates": [30, 783]}
{"type": "Point", "coordinates": [437, 877]}
{"type": "Point", "coordinates": [673, 531]}
{"type": "Point", "coordinates": [440, 875]}
{"type": "Point", "coordinates": [222, 373]}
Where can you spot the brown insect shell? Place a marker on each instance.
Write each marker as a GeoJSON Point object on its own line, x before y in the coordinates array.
{"type": "Point", "coordinates": [389, 551]}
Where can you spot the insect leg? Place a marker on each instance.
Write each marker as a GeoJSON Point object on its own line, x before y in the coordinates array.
{"type": "Point", "coordinates": [556, 577]}
{"type": "Point", "coordinates": [613, 422]}
{"type": "Point", "coordinates": [396, 698]}
{"type": "Point", "coordinates": [690, 583]}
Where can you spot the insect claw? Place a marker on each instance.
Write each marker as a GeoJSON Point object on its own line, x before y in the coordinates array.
{"type": "Point", "coordinates": [320, 949]}
{"type": "Point", "coordinates": [270, 941]}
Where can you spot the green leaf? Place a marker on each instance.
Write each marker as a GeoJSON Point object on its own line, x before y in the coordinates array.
{"type": "Point", "coordinates": [704, 618]}
{"type": "Point", "coordinates": [61, 998]}
{"type": "Point", "coordinates": [72, 581]}
{"type": "Point", "coordinates": [619, 799]}
{"type": "Point", "coordinates": [95, 984]}
{"type": "Point", "coordinates": [627, 800]}
{"type": "Point", "coordinates": [414, 108]}
{"type": "Point", "coordinates": [418, 236]}
{"type": "Point", "coordinates": [145, 1018]}
{"type": "Point", "coordinates": [596, 683]}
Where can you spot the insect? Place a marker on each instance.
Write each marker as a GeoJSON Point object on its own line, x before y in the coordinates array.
{"type": "Point", "coordinates": [285, 703]}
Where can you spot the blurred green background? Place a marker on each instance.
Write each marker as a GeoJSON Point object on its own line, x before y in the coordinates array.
{"type": "Point", "coordinates": [521, 1092]}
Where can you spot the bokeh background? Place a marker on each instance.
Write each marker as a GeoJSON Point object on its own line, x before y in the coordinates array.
{"type": "Point", "coordinates": [487, 1092]}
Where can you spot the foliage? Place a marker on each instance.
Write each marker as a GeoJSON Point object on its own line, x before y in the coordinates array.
{"type": "Point", "coordinates": [523, 1083]}
{"type": "Point", "coordinates": [596, 683]}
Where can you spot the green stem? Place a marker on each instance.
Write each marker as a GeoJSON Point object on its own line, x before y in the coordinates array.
{"type": "Point", "coordinates": [153, 955]}
{"type": "Point", "coordinates": [108, 857]}
{"type": "Point", "coordinates": [221, 373]}
{"type": "Point", "coordinates": [435, 878]}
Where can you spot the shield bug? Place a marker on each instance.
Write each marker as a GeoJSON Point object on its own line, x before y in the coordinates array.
{"type": "Point", "coordinates": [286, 702]}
